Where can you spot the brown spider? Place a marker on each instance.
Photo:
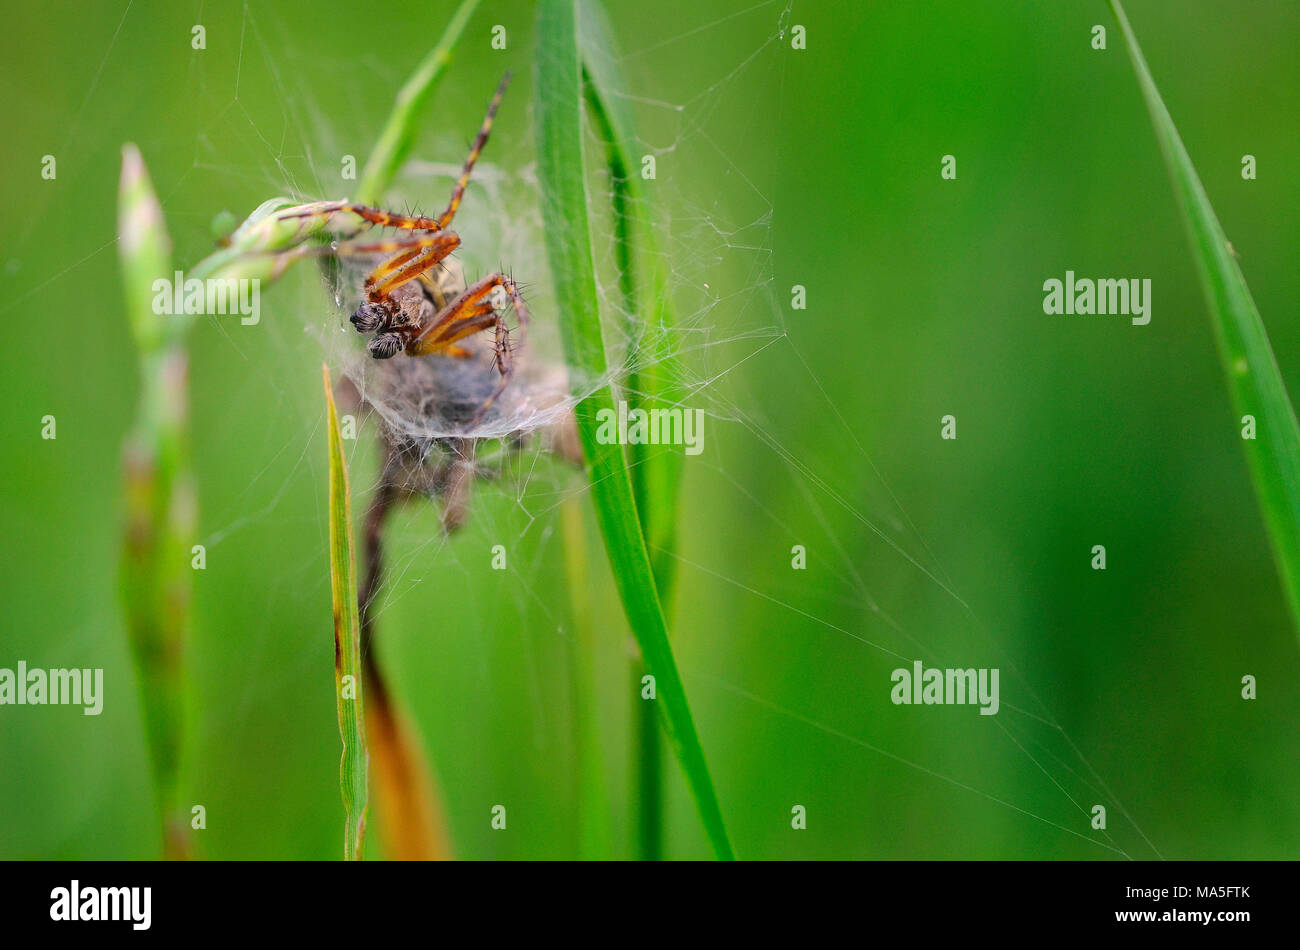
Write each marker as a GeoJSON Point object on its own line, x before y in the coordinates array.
{"type": "Point", "coordinates": [404, 307]}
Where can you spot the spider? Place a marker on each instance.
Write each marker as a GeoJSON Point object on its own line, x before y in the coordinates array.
{"type": "Point", "coordinates": [405, 305]}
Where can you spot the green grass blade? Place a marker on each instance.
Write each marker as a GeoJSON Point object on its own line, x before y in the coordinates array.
{"type": "Point", "coordinates": [398, 136]}
{"type": "Point", "coordinates": [158, 488]}
{"type": "Point", "coordinates": [1254, 380]}
{"type": "Point", "coordinates": [355, 764]}
{"type": "Point", "coordinates": [653, 381]}
{"type": "Point", "coordinates": [643, 285]}
{"type": "Point", "coordinates": [561, 172]}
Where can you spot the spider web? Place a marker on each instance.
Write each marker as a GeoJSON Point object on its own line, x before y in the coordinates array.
{"type": "Point", "coordinates": [717, 248]}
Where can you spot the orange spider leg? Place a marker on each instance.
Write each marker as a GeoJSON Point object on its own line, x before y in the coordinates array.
{"type": "Point", "coordinates": [414, 222]}
{"type": "Point", "coordinates": [467, 302]}
{"type": "Point", "coordinates": [421, 254]}
{"type": "Point", "coordinates": [465, 324]}
{"type": "Point", "coordinates": [375, 216]}
{"type": "Point", "coordinates": [480, 140]}
{"type": "Point", "coordinates": [468, 314]}
{"type": "Point", "coordinates": [393, 263]}
{"type": "Point", "coordinates": [394, 272]}
{"type": "Point", "coordinates": [409, 246]}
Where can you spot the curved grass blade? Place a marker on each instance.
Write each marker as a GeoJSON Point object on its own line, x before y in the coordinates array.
{"type": "Point", "coordinates": [653, 380]}
{"type": "Point", "coordinates": [643, 285]}
{"type": "Point", "coordinates": [562, 175]}
{"type": "Point", "coordinates": [354, 766]}
{"type": "Point", "coordinates": [1254, 380]}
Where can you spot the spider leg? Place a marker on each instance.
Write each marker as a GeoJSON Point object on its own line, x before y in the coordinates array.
{"type": "Point", "coordinates": [324, 211]}
{"type": "Point", "coordinates": [409, 264]}
{"type": "Point", "coordinates": [378, 217]}
{"type": "Point", "coordinates": [458, 484]}
{"type": "Point", "coordinates": [408, 246]}
{"type": "Point", "coordinates": [375, 216]}
{"type": "Point", "coordinates": [281, 259]}
{"type": "Point", "coordinates": [480, 140]}
{"type": "Point", "coordinates": [470, 303]}
{"type": "Point", "coordinates": [414, 256]}
{"type": "Point", "coordinates": [470, 313]}
{"type": "Point", "coordinates": [472, 320]}
{"type": "Point", "coordinates": [505, 365]}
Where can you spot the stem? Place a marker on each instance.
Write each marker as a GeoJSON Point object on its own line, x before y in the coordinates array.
{"type": "Point", "coordinates": [655, 470]}
{"type": "Point", "coordinates": [159, 499]}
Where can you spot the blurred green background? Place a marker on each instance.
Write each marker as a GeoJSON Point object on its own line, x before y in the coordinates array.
{"type": "Point", "coordinates": [776, 167]}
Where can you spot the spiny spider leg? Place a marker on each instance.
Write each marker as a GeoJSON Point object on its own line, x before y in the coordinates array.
{"type": "Point", "coordinates": [479, 318]}
{"type": "Point", "coordinates": [408, 222]}
{"type": "Point", "coordinates": [409, 248]}
{"type": "Point", "coordinates": [394, 272]}
{"type": "Point", "coordinates": [415, 256]}
{"type": "Point", "coordinates": [480, 140]}
{"type": "Point", "coordinates": [375, 216]}
{"type": "Point", "coordinates": [466, 305]}
{"type": "Point", "coordinates": [470, 313]}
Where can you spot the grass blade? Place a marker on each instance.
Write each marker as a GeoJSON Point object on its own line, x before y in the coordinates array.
{"type": "Point", "coordinates": [643, 285]}
{"type": "Point", "coordinates": [158, 486]}
{"type": "Point", "coordinates": [1254, 380]}
{"type": "Point", "coordinates": [395, 141]}
{"type": "Point", "coordinates": [278, 233]}
{"type": "Point", "coordinates": [652, 383]}
{"type": "Point", "coordinates": [355, 762]}
{"type": "Point", "coordinates": [561, 172]}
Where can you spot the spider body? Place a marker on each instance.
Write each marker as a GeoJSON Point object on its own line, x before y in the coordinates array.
{"type": "Point", "coordinates": [442, 392]}
{"type": "Point", "coordinates": [405, 304]}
